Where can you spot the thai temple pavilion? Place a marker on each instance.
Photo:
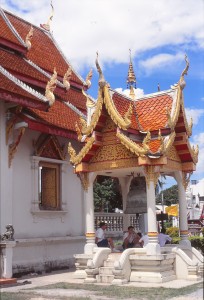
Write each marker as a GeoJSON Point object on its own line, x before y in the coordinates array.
{"type": "Point", "coordinates": [54, 141]}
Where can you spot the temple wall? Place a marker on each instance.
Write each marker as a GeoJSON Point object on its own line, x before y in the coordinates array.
{"type": "Point", "coordinates": [44, 238]}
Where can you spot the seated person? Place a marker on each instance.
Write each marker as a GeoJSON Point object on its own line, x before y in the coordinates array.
{"type": "Point", "coordinates": [144, 240]}
{"type": "Point", "coordinates": [130, 238]}
{"type": "Point", "coordinates": [101, 240]}
{"type": "Point", "coordinates": [164, 238]}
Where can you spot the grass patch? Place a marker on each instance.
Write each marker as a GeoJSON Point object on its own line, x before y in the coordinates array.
{"type": "Point", "coordinates": [22, 296]}
{"type": "Point", "coordinates": [123, 292]}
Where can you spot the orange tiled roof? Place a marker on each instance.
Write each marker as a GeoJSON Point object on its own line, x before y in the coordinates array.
{"type": "Point", "coordinates": [13, 62]}
{"type": "Point", "coordinates": [15, 93]}
{"type": "Point", "coordinates": [58, 115]}
{"type": "Point", "coordinates": [154, 145]}
{"type": "Point", "coordinates": [151, 112]}
{"type": "Point", "coordinates": [43, 51]}
{"type": "Point", "coordinates": [6, 32]}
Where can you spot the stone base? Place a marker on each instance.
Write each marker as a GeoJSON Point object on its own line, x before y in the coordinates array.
{"type": "Point", "coordinates": [4, 281]}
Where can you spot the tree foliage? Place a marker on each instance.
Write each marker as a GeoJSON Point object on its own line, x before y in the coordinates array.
{"type": "Point", "coordinates": [107, 194]}
{"type": "Point", "coordinates": [170, 196]}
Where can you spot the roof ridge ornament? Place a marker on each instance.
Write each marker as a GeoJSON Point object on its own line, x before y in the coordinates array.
{"type": "Point", "coordinates": [101, 80]}
{"type": "Point", "coordinates": [182, 82]}
{"type": "Point", "coordinates": [88, 78]}
{"type": "Point", "coordinates": [50, 87]}
{"type": "Point", "coordinates": [47, 25]}
{"type": "Point", "coordinates": [29, 37]}
{"type": "Point", "coordinates": [131, 78]}
{"type": "Point", "coordinates": [66, 78]}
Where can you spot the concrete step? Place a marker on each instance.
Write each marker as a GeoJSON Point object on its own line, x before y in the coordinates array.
{"type": "Point", "coordinates": [104, 278]}
{"type": "Point", "coordinates": [106, 271]}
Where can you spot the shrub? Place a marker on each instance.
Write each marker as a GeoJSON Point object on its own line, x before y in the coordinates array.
{"type": "Point", "coordinates": [173, 232]}
{"type": "Point", "coordinates": [197, 242]}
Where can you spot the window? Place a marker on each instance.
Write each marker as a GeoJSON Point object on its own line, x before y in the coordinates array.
{"type": "Point", "coordinates": [49, 186]}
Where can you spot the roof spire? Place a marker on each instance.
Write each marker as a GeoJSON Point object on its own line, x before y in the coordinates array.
{"type": "Point", "coordinates": [47, 25]}
{"type": "Point", "coordinates": [131, 78]}
{"type": "Point", "coordinates": [182, 82]}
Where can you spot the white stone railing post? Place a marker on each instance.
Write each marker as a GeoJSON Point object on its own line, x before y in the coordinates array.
{"type": "Point", "coordinates": [6, 248]}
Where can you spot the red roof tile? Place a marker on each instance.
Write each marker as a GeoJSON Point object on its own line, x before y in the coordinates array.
{"type": "Point", "coordinates": [43, 51]}
{"type": "Point", "coordinates": [151, 112]}
{"type": "Point", "coordinates": [58, 115]}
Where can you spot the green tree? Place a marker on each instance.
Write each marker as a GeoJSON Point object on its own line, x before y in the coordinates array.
{"type": "Point", "coordinates": [107, 194]}
{"type": "Point", "coordinates": [170, 196]}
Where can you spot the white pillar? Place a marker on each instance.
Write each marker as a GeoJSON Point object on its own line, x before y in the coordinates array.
{"type": "Point", "coordinates": [125, 185]}
{"type": "Point", "coordinates": [183, 223]}
{"type": "Point", "coordinates": [89, 216]}
{"type": "Point", "coordinates": [153, 247]}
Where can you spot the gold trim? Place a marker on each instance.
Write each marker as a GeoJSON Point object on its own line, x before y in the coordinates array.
{"type": "Point", "coordinates": [152, 234]}
{"type": "Point", "coordinates": [128, 114]}
{"type": "Point", "coordinates": [186, 179]}
{"type": "Point", "coordinates": [66, 78]}
{"type": "Point", "coordinates": [78, 131]}
{"type": "Point", "coordinates": [114, 164]}
{"type": "Point", "coordinates": [170, 122]}
{"type": "Point", "coordinates": [90, 234]}
{"type": "Point", "coordinates": [132, 146]}
{"type": "Point", "coordinates": [151, 175]}
{"type": "Point", "coordinates": [88, 78]}
{"type": "Point", "coordinates": [114, 114]}
{"type": "Point", "coordinates": [182, 82]}
{"type": "Point", "coordinates": [29, 37]}
{"type": "Point", "coordinates": [169, 143]}
{"type": "Point", "coordinates": [50, 87]}
{"type": "Point", "coordinates": [84, 178]}
{"type": "Point", "coordinates": [184, 232]}
{"type": "Point", "coordinates": [95, 117]}
{"type": "Point", "coordinates": [77, 158]}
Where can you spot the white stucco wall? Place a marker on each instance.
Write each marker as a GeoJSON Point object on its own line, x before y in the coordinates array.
{"type": "Point", "coordinates": [42, 237]}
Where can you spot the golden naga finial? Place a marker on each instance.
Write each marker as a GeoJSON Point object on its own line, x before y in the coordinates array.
{"type": "Point", "coordinates": [128, 114]}
{"type": "Point", "coordinates": [146, 141]}
{"type": "Point", "coordinates": [101, 80]}
{"type": "Point", "coordinates": [47, 25]}
{"type": "Point", "coordinates": [29, 37]}
{"type": "Point", "coordinates": [89, 102]}
{"type": "Point", "coordinates": [78, 131]}
{"type": "Point", "coordinates": [50, 87]}
{"type": "Point", "coordinates": [88, 78]}
{"type": "Point", "coordinates": [131, 78]}
{"type": "Point", "coordinates": [182, 82]}
{"type": "Point", "coordinates": [66, 78]}
{"type": "Point", "coordinates": [83, 124]}
{"type": "Point", "coordinates": [71, 152]}
{"type": "Point", "coordinates": [161, 139]}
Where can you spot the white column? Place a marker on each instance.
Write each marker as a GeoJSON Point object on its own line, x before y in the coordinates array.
{"type": "Point", "coordinates": [125, 185]}
{"type": "Point", "coordinates": [183, 223]}
{"type": "Point", "coordinates": [153, 247]}
{"type": "Point", "coordinates": [89, 216]}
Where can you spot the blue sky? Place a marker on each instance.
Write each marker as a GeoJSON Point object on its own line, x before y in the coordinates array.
{"type": "Point", "coordinates": [158, 32]}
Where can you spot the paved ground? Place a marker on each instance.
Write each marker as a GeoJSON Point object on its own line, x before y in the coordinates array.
{"type": "Point", "coordinates": [32, 282]}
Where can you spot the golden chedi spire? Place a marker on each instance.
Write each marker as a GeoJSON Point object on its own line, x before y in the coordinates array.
{"type": "Point", "coordinates": [131, 79]}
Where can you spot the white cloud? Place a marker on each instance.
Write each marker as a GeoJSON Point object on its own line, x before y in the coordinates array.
{"type": "Point", "coordinates": [195, 114]}
{"type": "Point", "coordinates": [199, 140]}
{"type": "Point", "coordinates": [138, 92]}
{"type": "Point", "coordinates": [161, 61]}
{"type": "Point", "coordinates": [113, 26]}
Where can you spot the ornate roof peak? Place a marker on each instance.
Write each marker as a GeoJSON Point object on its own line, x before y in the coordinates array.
{"type": "Point", "coordinates": [101, 80]}
{"type": "Point", "coordinates": [47, 25]}
{"type": "Point", "coordinates": [182, 82]}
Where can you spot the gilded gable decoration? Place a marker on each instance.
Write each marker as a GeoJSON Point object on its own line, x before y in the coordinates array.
{"type": "Point", "coordinates": [88, 78]}
{"type": "Point", "coordinates": [76, 158]}
{"type": "Point", "coordinates": [151, 175]}
{"type": "Point", "coordinates": [132, 146]}
{"type": "Point", "coordinates": [84, 178]}
{"type": "Point", "coordinates": [128, 114]}
{"type": "Point", "coordinates": [182, 82]}
{"type": "Point", "coordinates": [29, 37]}
{"type": "Point", "coordinates": [194, 151]}
{"type": "Point", "coordinates": [169, 122]}
{"type": "Point", "coordinates": [186, 179]}
{"type": "Point", "coordinates": [47, 25]}
{"type": "Point", "coordinates": [50, 87]}
{"type": "Point", "coordinates": [101, 81]}
{"type": "Point", "coordinates": [66, 78]}
{"type": "Point", "coordinates": [13, 147]}
{"type": "Point", "coordinates": [49, 146]}
{"type": "Point", "coordinates": [11, 122]}
{"type": "Point", "coordinates": [168, 142]}
{"type": "Point", "coordinates": [78, 131]}
{"type": "Point", "coordinates": [161, 139]}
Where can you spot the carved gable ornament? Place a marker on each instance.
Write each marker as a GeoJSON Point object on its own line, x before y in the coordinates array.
{"type": "Point", "coordinates": [49, 146]}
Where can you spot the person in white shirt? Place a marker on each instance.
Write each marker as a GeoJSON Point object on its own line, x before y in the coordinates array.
{"type": "Point", "coordinates": [101, 240]}
{"type": "Point", "coordinates": [144, 240]}
{"type": "Point", "coordinates": [130, 238]}
{"type": "Point", "coordinates": [164, 238]}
